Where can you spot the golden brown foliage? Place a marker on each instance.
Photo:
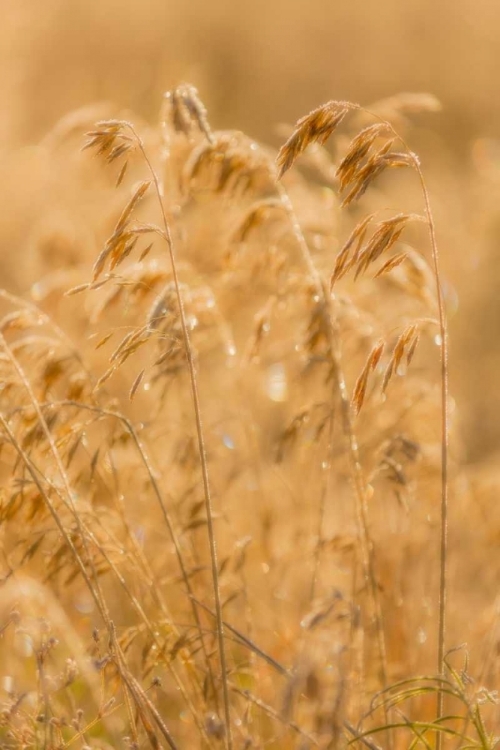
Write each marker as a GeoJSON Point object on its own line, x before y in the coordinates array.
{"type": "Point", "coordinates": [219, 523]}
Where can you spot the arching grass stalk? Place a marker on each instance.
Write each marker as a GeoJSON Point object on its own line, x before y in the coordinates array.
{"type": "Point", "coordinates": [358, 169]}
{"type": "Point", "coordinates": [445, 427]}
{"type": "Point", "coordinates": [355, 462]}
{"type": "Point", "coordinates": [200, 436]}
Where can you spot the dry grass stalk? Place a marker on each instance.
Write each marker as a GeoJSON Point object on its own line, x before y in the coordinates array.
{"type": "Point", "coordinates": [328, 327]}
{"type": "Point", "coordinates": [375, 164]}
{"type": "Point", "coordinates": [190, 105]}
{"type": "Point", "coordinates": [356, 175]}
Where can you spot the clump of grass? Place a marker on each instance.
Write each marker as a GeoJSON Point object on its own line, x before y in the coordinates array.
{"type": "Point", "coordinates": [212, 502]}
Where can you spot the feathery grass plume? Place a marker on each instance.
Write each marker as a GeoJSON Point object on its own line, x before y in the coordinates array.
{"type": "Point", "coordinates": [344, 263]}
{"type": "Point", "coordinates": [123, 240]}
{"type": "Point", "coordinates": [187, 111]}
{"type": "Point", "coordinates": [361, 178]}
{"type": "Point", "coordinates": [357, 151]}
{"type": "Point", "coordinates": [406, 344]}
{"type": "Point", "coordinates": [384, 237]}
{"type": "Point", "coordinates": [228, 164]}
{"type": "Point", "coordinates": [375, 164]}
{"type": "Point", "coordinates": [392, 263]}
{"type": "Point", "coordinates": [112, 142]}
{"type": "Point", "coordinates": [317, 126]}
{"type": "Point", "coordinates": [361, 383]}
{"type": "Point", "coordinates": [386, 234]}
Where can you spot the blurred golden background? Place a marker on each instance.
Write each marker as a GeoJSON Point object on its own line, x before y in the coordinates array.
{"type": "Point", "coordinates": [260, 64]}
{"type": "Point", "coordinates": [256, 63]}
{"type": "Point", "coordinates": [258, 67]}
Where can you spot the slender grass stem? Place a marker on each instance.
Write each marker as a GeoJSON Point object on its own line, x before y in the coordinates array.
{"type": "Point", "coordinates": [445, 426]}
{"type": "Point", "coordinates": [355, 461]}
{"type": "Point", "coordinates": [201, 444]}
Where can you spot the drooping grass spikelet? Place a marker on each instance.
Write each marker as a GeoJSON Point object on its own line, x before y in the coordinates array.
{"type": "Point", "coordinates": [317, 126]}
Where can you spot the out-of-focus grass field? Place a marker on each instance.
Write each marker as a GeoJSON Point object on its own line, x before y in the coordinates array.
{"type": "Point", "coordinates": [288, 530]}
{"type": "Point", "coordinates": [258, 65]}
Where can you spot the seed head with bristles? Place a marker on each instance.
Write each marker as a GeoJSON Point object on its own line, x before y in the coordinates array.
{"type": "Point", "coordinates": [316, 127]}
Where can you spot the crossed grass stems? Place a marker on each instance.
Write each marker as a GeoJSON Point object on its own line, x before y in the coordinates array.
{"type": "Point", "coordinates": [116, 141]}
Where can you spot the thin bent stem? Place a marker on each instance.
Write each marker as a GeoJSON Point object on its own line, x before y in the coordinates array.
{"type": "Point", "coordinates": [102, 412]}
{"type": "Point", "coordinates": [355, 461]}
{"type": "Point", "coordinates": [325, 492]}
{"type": "Point", "coordinates": [163, 507]}
{"type": "Point", "coordinates": [94, 586]}
{"type": "Point", "coordinates": [139, 696]}
{"type": "Point", "coordinates": [57, 520]}
{"type": "Point", "coordinates": [201, 445]}
{"type": "Point", "coordinates": [445, 425]}
{"type": "Point", "coordinates": [443, 329]}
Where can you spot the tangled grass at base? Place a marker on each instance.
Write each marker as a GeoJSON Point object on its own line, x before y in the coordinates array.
{"type": "Point", "coordinates": [222, 444]}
